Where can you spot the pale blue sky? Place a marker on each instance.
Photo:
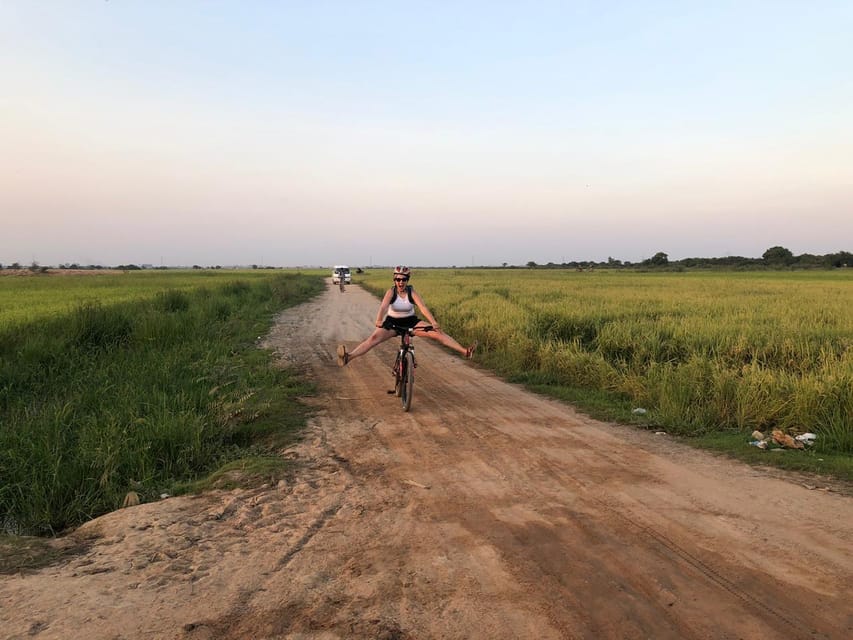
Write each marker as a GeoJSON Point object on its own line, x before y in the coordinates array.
{"type": "Point", "coordinates": [431, 133]}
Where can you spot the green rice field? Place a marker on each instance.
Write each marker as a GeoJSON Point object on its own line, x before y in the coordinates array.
{"type": "Point", "coordinates": [27, 298]}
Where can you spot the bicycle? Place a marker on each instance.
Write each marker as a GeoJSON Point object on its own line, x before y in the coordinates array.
{"type": "Point", "coordinates": [404, 365]}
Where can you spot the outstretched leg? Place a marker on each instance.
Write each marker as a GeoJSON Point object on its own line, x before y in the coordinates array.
{"type": "Point", "coordinates": [448, 341]}
{"type": "Point", "coordinates": [378, 336]}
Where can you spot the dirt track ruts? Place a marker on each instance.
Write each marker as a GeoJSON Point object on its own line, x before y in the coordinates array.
{"type": "Point", "coordinates": [485, 512]}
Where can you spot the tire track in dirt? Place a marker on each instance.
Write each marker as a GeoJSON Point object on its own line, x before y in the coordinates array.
{"type": "Point", "coordinates": [315, 526]}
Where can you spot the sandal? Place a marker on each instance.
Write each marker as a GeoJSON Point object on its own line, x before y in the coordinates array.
{"type": "Point", "coordinates": [343, 356]}
{"type": "Point", "coordinates": [469, 352]}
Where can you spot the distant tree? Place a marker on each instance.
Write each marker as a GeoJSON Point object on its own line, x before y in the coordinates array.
{"type": "Point", "coordinates": [15, 265]}
{"type": "Point", "coordinates": [532, 265]}
{"type": "Point", "coordinates": [808, 260]}
{"type": "Point", "coordinates": [777, 255]}
{"type": "Point", "coordinates": [660, 259]}
{"type": "Point", "coordinates": [840, 259]}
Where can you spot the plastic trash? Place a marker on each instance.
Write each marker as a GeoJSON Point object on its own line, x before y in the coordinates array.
{"type": "Point", "coordinates": [639, 411]}
{"type": "Point", "coordinates": [806, 438]}
{"type": "Point", "coordinates": [761, 444]}
{"type": "Point", "coordinates": [757, 435]}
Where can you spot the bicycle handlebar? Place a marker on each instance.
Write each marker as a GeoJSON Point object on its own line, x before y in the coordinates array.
{"type": "Point", "coordinates": [410, 330]}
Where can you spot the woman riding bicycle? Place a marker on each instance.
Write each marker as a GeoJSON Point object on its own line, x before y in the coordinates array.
{"type": "Point", "coordinates": [398, 309]}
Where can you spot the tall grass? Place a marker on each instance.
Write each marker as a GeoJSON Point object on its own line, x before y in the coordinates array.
{"type": "Point", "coordinates": [702, 352]}
{"type": "Point", "coordinates": [132, 396]}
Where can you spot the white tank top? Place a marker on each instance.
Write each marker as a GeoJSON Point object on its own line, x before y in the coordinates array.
{"type": "Point", "coordinates": [402, 307]}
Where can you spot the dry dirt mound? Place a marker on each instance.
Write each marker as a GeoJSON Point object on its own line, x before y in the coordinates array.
{"type": "Point", "coordinates": [485, 512]}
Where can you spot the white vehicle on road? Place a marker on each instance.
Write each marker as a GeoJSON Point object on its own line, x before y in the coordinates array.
{"type": "Point", "coordinates": [341, 271]}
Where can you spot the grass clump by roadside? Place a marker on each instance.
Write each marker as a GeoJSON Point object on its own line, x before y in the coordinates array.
{"type": "Point", "coordinates": [146, 396]}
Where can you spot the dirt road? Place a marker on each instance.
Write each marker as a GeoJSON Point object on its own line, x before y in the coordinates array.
{"type": "Point", "coordinates": [485, 512]}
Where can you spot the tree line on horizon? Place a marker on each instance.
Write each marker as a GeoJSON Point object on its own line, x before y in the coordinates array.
{"type": "Point", "coordinates": [774, 258]}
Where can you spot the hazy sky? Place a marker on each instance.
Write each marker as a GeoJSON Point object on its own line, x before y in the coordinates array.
{"type": "Point", "coordinates": [428, 133]}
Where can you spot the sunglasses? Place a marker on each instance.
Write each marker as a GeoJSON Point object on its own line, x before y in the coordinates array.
{"type": "Point", "coordinates": [401, 279]}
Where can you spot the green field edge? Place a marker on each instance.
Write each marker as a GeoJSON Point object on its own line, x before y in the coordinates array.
{"type": "Point", "coordinates": [608, 407]}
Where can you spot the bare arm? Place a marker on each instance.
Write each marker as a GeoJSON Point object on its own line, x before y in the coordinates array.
{"type": "Point", "coordinates": [416, 298]}
{"type": "Point", "coordinates": [383, 308]}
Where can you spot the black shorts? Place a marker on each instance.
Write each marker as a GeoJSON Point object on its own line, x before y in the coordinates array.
{"type": "Point", "coordinates": [407, 322]}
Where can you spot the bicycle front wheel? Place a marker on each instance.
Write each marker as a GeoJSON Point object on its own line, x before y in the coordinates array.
{"type": "Point", "coordinates": [408, 380]}
{"type": "Point", "coordinates": [398, 376]}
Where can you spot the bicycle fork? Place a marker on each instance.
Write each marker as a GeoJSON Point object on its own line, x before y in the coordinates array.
{"type": "Point", "coordinates": [395, 370]}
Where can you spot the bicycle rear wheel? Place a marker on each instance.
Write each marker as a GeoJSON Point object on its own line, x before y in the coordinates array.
{"type": "Point", "coordinates": [408, 380]}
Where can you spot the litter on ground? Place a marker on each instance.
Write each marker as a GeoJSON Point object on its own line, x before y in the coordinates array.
{"type": "Point", "coordinates": [779, 440]}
